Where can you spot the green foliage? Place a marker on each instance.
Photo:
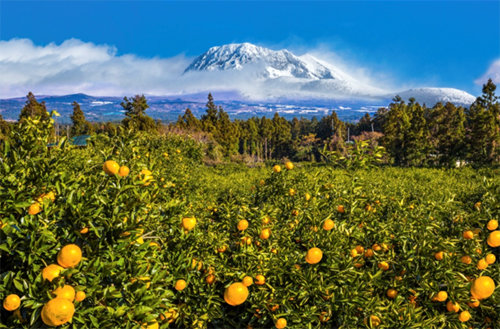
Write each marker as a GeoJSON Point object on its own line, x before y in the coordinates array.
{"type": "Point", "coordinates": [80, 125]}
{"type": "Point", "coordinates": [356, 156]}
{"type": "Point", "coordinates": [135, 112]}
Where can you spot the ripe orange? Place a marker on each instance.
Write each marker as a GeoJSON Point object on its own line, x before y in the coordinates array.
{"type": "Point", "coordinates": [34, 209]}
{"type": "Point", "coordinates": [490, 259]}
{"type": "Point", "coordinates": [482, 264]}
{"type": "Point", "coordinates": [84, 230]}
{"type": "Point", "coordinates": [360, 249]}
{"type": "Point", "coordinates": [376, 247]}
{"type": "Point", "coordinates": [494, 239]}
{"type": "Point", "coordinates": [247, 281]}
{"type": "Point", "coordinates": [180, 285]}
{"type": "Point", "coordinates": [260, 280]}
{"type": "Point", "coordinates": [280, 323]}
{"type": "Point", "coordinates": [277, 168]}
{"type": "Point", "coordinates": [375, 320]}
{"type": "Point", "coordinates": [341, 209]}
{"type": "Point", "coordinates": [222, 249]}
{"type": "Point", "coordinates": [289, 165]}
{"type": "Point", "coordinates": [292, 192]}
{"type": "Point", "coordinates": [242, 225]}
{"type": "Point", "coordinates": [452, 307]}
{"type": "Point", "coordinates": [307, 196]}
{"type": "Point", "coordinates": [369, 253]}
{"type": "Point", "coordinates": [482, 287]}
{"type": "Point", "coordinates": [66, 292]}
{"type": "Point", "coordinates": [210, 279]}
{"type": "Point", "coordinates": [392, 293]}
{"type": "Point", "coordinates": [492, 225]}
{"type": "Point", "coordinates": [69, 256]}
{"type": "Point", "coordinates": [384, 266]}
{"type": "Point", "coordinates": [265, 234]}
{"type": "Point", "coordinates": [468, 235]}
{"type": "Point", "coordinates": [439, 255]}
{"type": "Point", "coordinates": [80, 295]}
{"type": "Point", "coordinates": [236, 294]}
{"type": "Point", "coordinates": [354, 253]}
{"type": "Point", "coordinates": [123, 171]}
{"type": "Point", "coordinates": [51, 272]}
{"type": "Point", "coordinates": [441, 296]}
{"type": "Point", "coordinates": [473, 303]}
{"type": "Point", "coordinates": [464, 316]}
{"type": "Point", "coordinates": [266, 219]}
{"type": "Point", "coordinates": [466, 259]}
{"type": "Point", "coordinates": [188, 223]}
{"type": "Point", "coordinates": [12, 302]}
{"type": "Point", "coordinates": [314, 255]}
{"type": "Point", "coordinates": [57, 311]}
{"type": "Point", "coordinates": [111, 167]}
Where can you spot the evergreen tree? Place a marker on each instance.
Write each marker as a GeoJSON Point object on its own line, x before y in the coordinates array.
{"type": "Point", "coordinates": [80, 125]}
{"type": "Point", "coordinates": [33, 109]}
{"type": "Point", "coordinates": [188, 121]}
{"type": "Point", "coordinates": [209, 119]}
{"type": "Point", "coordinates": [483, 127]}
{"type": "Point", "coordinates": [136, 118]}
{"type": "Point", "coordinates": [4, 128]}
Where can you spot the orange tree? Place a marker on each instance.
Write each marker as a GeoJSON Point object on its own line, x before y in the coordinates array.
{"type": "Point", "coordinates": [161, 243]}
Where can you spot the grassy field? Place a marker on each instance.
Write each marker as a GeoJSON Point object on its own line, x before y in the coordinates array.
{"type": "Point", "coordinates": [175, 243]}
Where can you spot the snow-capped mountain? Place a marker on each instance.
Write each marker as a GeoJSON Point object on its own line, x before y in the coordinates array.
{"type": "Point", "coordinates": [431, 96]}
{"type": "Point", "coordinates": [282, 74]}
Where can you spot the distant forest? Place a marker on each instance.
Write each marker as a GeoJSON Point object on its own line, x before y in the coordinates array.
{"type": "Point", "coordinates": [410, 133]}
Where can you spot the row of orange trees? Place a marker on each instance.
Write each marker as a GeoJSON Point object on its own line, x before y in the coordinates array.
{"type": "Point", "coordinates": [164, 245]}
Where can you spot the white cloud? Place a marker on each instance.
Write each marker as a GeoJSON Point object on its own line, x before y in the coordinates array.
{"type": "Point", "coordinates": [493, 72]}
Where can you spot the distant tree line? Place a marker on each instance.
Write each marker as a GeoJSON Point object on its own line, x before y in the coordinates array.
{"type": "Point", "coordinates": [412, 134]}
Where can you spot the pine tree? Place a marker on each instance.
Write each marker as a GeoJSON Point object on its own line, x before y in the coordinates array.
{"type": "Point", "coordinates": [189, 121]}
{"type": "Point", "coordinates": [33, 109]}
{"type": "Point", "coordinates": [80, 125]}
{"type": "Point", "coordinates": [136, 118]}
{"type": "Point", "coordinates": [209, 119]}
{"type": "Point", "coordinates": [4, 128]}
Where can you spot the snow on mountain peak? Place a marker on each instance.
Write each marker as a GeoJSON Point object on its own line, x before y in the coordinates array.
{"type": "Point", "coordinates": [431, 96]}
{"type": "Point", "coordinates": [276, 63]}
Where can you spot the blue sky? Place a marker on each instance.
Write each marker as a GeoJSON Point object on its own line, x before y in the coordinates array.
{"type": "Point", "coordinates": [448, 43]}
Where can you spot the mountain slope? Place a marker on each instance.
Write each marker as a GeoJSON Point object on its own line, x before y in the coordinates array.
{"type": "Point", "coordinates": [282, 74]}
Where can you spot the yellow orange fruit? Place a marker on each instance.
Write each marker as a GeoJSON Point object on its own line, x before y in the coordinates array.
{"type": "Point", "coordinates": [210, 279]}
{"type": "Point", "coordinates": [369, 253]}
{"type": "Point", "coordinates": [452, 307]}
{"type": "Point", "coordinates": [384, 266]}
{"type": "Point", "coordinates": [466, 259]}
{"type": "Point", "coordinates": [80, 296]}
{"type": "Point", "coordinates": [341, 209]}
{"type": "Point", "coordinates": [490, 258]}
{"type": "Point", "coordinates": [392, 293]}
{"type": "Point", "coordinates": [441, 296]}
{"type": "Point", "coordinates": [439, 255]}
{"type": "Point", "coordinates": [464, 316]}
{"type": "Point", "coordinates": [188, 223]}
{"type": "Point", "coordinates": [69, 256]}
{"type": "Point", "coordinates": [360, 249]}
{"type": "Point", "coordinates": [242, 225]}
{"type": "Point", "coordinates": [236, 294]}
{"type": "Point", "coordinates": [314, 255]}
{"type": "Point", "coordinates": [482, 287]}
{"type": "Point", "coordinates": [307, 196]}
{"type": "Point", "coordinates": [289, 165]}
{"type": "Point", "coordinates": [84, 230]}
{"type": "Point", "coordinates": [277, 168]}
{"type": "Point", "coordinates": [482, 264]}
{"type": "Point", "coordinates": [34, 209]}
{"type": "Point", "coordinates": [111, 167]}
{"type": "Point", "coordinates": [260, 280]}
{"type": "Point", "coordinates": [265, 234]}
{"type": "Point", "coordinates": [11, 302]}
{"type": "Point", "coordinates": [375, 320]}
{"type": "Point", "coordinates": [280, 323]}
{"type": "Point", "coordinates": [123, 171]}
{"type": "Point", "coordinates": [468, 235]}
{"type": "Point", "coordinates": [180, 285]}
{"type": "Point", "coordinates": [57, 312]}
{"type": "Point", "coordinates": [492, 225]}
{"type": "Point", "coordinates": [473, 303]}
{"type": "Point", "coordinates": [494, 239]}
{"type": "Point", "coordinates": [247, 281]}
{"type": "Point", "coordinates": [52, 271]}
{"type": "Point", "coordinates": [66, 291]}
{"type": "Point", "coordinates": [376, 247]}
